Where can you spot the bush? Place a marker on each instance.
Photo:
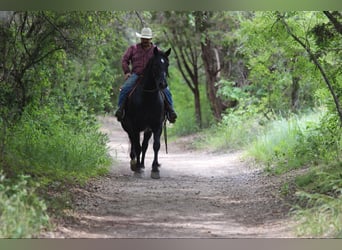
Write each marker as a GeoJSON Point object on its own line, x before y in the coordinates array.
{"type": "Point", "coordinates": [281, 145]}
{"type": "Point", "coordinates": [22, 213]}
{"type": "Point", "coordinates": [320, 209]}
{"type": "Point", "coordinates": [235, 131]}
{"type": "Point", "coordinates": [52, 146]}
{"type": "Point", "coordinates": [313, 141]}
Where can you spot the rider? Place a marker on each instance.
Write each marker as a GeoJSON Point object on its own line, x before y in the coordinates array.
{"type": "Point", "coordinates": [138, 55]}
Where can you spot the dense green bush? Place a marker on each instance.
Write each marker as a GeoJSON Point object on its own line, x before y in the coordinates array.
{"type": "Point", "coordinates": [320, 206]}
{"type": "Point", "coordinates": [279, 144]}
{"type": "Point", "coordinates": [22, 213]}
{"type": "Point", "coordinates": [54, 146]}
{"type": "Point", "coordinates": [298, 141]}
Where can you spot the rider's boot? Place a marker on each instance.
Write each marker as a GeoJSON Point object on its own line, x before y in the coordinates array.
{"type": "Point", "coordinates": [119, 113]}
{"type": "Point", "coordinates": [170, 113]}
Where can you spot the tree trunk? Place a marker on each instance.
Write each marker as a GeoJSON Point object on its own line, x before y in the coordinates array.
{"type": "Point", "coordinates": [212, 69]}
{"type": "Point", "coordinates": [295, 93]}
{"type": "Point", "coordinates": [198, 113]}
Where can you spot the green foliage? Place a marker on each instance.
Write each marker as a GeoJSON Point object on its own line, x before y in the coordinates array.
{"type": "Point", "coordinates": [184, 106]}
{"type": "Point", "coordinates": [239, 126]}
{"type": "Point", "coordinates": [22, 213]}
{"type": "Point", "coordinates": [285, 144]}
{"type": "Point", "coordinates": [235, 131]}
{"type": "Point", "coordinates": [281, 72]}
{"type": "Point", "coordinates": [56, 147]}
{"type": "Point", "coordinates": [320, 206]}
{"type": "Point", "coordinates": [312, 141]}
{"type": "Point", "coordinates": [321, 142]}
{"type": "Point", "coordinates": [322, 220]}
{"type": "Point", "coordinates": [58, 70]}
{"type": "Point", "coordinates": [230, 92]}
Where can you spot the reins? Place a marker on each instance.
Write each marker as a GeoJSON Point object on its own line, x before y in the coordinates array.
{"type": "Point", "coordinates": [165, 136]}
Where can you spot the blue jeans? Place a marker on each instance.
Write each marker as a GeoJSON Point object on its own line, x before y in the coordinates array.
{"type": "Point", "coordinates": [128, 86]}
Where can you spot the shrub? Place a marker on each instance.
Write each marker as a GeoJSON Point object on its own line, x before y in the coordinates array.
{"type": "Point", "coordinates": [22, 213]}
{"type": "Point", "coordinates": [47, 145]}
{"type": "Point", "coordinates": [281, 144]}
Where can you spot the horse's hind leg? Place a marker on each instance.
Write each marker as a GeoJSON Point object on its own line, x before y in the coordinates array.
{"type": "Point", "coordinates": [147, 136]}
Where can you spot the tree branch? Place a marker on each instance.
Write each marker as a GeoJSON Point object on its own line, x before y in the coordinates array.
{"type": "Point", "coordinates": [319, 66]}
{"type": "Point", "coordinates": [142, 22]}
{"type": "Point", "coordinates": [334, 21]}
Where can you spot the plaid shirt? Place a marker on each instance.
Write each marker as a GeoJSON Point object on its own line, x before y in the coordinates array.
{"type": "Point", "coordinates": [136, 56]}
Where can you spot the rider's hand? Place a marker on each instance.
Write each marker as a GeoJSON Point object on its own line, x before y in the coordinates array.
{"type": "Point", "coordinates": [127, 76]}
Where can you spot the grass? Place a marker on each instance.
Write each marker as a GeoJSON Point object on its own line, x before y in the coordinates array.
{"type": "Point", "coordinates": [320, 206]}
{"type": "Point", "coordinates": [323, 220]}
{"type": "Point", "coordinates": [52, 150]}
{"type": "Point", "coordinates": [233, 132]}
{"type": "Point", "coordinates": [304, 141]}
{"type": "Point", "coordinates": [279, 143]}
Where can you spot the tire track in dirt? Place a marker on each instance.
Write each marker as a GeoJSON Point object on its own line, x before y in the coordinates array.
{"type": "Point", "coordinates": [200, 195]}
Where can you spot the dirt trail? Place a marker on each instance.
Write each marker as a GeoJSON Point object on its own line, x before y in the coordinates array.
{"type": "Point", "coordinates": [200, 195]}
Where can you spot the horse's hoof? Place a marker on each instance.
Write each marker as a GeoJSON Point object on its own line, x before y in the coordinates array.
{"type": "Point", "coordinates": [134, 165]}
{"type": "Point", "coordinates": [155, 175]}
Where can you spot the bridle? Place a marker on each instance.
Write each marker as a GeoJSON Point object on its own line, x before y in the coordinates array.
{"type": "Point", "coordinates": [156, 89]}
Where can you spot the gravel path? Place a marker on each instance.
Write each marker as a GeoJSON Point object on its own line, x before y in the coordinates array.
{"type": "Point", "coordinates": [199, 195]}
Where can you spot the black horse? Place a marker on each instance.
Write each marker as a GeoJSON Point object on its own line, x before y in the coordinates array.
{"type": "Point", "coordinates": [145, 111]}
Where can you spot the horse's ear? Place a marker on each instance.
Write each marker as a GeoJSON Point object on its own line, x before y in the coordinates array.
{"type": "Point", "coordinates": [167, 53]}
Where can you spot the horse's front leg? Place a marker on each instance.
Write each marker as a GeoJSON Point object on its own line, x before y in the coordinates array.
{"type": "Point", "coordinates": [147, 136]}
{"type": "Point", "coordinates": [135, 152]}
{"type": "Point", "coordinates": [156, 147]}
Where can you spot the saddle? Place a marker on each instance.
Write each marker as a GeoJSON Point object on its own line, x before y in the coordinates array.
{"type": "Point", "coordinates": [162, 94]}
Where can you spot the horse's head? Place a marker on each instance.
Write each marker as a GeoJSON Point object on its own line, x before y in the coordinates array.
{"type": "Point", "coordinates": [160, 67]}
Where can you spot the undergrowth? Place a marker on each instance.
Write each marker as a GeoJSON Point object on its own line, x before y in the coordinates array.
{"type": "Point", "coordinates": [52, 150]}
{"type": "Point", "coordinates": [49, 148]}
{"type": "Point", "coordinates": [320, 206]}
{"type": "Point", "coordinates": [312, 141]}
{"type": "Point", "coordinates": [22, 213]}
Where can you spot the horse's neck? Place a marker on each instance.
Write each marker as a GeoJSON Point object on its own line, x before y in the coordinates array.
{"type": "Point", "coordinates": [147, 82]}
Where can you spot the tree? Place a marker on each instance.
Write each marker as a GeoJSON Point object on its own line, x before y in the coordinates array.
{"type": "Point", "coordinates": [57, 59]}
{"type": "Point", "coordinates": [211, 61]}
{"type": "Point", "coordinates": [180, 33]}
{"type": "Point", "coordinates": [281, 77]}
{"type": "Point", "coordinates": [316, 56]}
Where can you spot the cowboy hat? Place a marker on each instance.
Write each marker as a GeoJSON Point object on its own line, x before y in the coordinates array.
{"type": "Point", "coordinates": [145, 33]}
